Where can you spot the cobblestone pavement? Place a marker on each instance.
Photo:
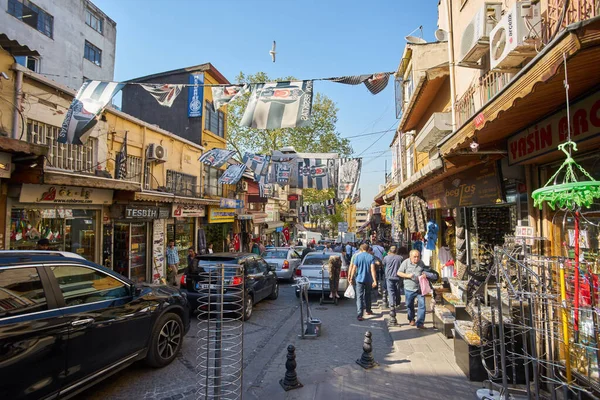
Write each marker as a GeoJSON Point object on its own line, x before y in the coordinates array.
{"type": "Point", "coordinates": [413, 363]}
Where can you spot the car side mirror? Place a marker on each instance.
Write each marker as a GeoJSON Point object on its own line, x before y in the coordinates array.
{"type": "Point", "coordinates": [135, 290]}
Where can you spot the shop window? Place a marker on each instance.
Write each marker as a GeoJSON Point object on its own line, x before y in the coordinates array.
{"type": "Point", "coordinates": [214, 120]}
{"type": "Point", "coordinates": [82, 285]}
{"type": "Point", "coordinates": [129, 250]}
{"type": "Point", "coordinates": [32, 15]}
{"type": "Point", "coordinates": [182, 233]}
{"type": "Point", "coordinates": [211, 181]}
{"type": "Point", "coordinates": [181, 184]}
{"type": "Point", "coordinates": [21, 292]}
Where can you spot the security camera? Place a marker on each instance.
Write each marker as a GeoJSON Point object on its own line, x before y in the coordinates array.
{"type": "Point", "coordinates": [4, 75]}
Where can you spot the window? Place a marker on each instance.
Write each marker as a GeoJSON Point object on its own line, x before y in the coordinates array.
{"type": "Point", "coordinates": [252, 266]}
{"type": "Point", "coordinates": [82, 285]}
{"type": "Point", "coordinates": [92, 53]}
{"type": "Point", "coordinates": [214, 121]}
{"type": "Point", "coordinates": [31, 62]}
{"type": "Point", "coordinates": [262, 266]}
{"type": "Point", "coordinates": [21, 292]}
{"type": "Point", "coordinates": [94, 21]}
{"type": "Point", "coordinates": [32, 15]}
{"type": "Point", "coordinates": [211, 181]}
{"type": "Point", "coordinates": [181, 184]}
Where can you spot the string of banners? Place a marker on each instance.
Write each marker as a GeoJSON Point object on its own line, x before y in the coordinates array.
{"type": "Point", "coordinates": [271, 105]}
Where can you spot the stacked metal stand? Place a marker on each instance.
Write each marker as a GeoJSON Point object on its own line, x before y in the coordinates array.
{"type": "Point", "coordinates": [310, 327]}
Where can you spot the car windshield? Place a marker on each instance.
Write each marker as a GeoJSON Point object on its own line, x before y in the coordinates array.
{"type": "Point", "coordinates": [275, 254]}
{"type": "Point", "coordinates": [317, 259]}
{"type": "Point", "coordinates": [210, 265]}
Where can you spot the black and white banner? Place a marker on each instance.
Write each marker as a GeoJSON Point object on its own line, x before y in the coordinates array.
{"type": "Point", "coordinates": [257, 163]}
{"type": "Point", "coordinates": [276, 105]}
{"type": "Point", "coordinates": [356, 197]}
{"type": "Point", "coordinates": [224, 94]}
{"type": "Point", "coordinates": [329, 206]}
{"type": "Point", "coordinates": [282, 172]}
{"type": "Point", "coordinates": [304, 213]}
{"type": "Point", "coordinates": [266, 190]}
{"type": "Point", "coordinates": [374, 82]}
{"type": "Point", "coordinates": [216, 157]}
{"type": "Point", "coordinates": [313, 173]}
{"type": "Point", "coordinates": [233, 174]}
{"type": "Point", "coordinates": [165, 94]}
{"type": "Point", "coordinates": [348, 178]}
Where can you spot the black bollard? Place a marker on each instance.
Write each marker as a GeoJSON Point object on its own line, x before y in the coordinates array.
{"type": "Point", "coordinates": [290, 381]}
{"type": "Point", "coordinates": [366, 360]}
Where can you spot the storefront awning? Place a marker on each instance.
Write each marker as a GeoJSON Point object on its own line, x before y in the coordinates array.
{"type": "Point", "coordinates": [259, 218]}
{"type": "Point", "coordinates": [536, 91]}
{"type": "Point", "coordinates": [274, 224]}
{"type": "Point", "coordinates": [300, 228]}
{"type": "Point", "coordinates": [171, 198]}
{"type": "Point", "coordinates": [54, 177]}
{"type": "Point", "coordinates": [435, 165]}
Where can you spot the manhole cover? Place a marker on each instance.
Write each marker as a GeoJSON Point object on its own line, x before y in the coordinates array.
{"type": "Point", "coordinates": [321, 308]}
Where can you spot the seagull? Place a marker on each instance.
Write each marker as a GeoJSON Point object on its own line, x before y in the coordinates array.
{"type": "Point", "coordinates": [273, 52]}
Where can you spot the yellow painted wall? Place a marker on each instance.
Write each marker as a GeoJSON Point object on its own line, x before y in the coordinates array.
{"type": "Point", "coordinates": [212, 140]}
{"type": "Point", "coordinates": [7, 93]}
{"type": "Point", "coordinates": [350, 217]}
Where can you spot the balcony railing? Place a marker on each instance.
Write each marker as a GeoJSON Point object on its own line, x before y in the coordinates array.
{"type": "Point", "coordinates": [134, 169]}
{"type": "Point", "coordinates": [492, 83]}
{"type": "Point", "coordinates": [578, 10]}
{"type": "Point", "coordinates": [465, 106]}
{"type": "Point", "coordinates": [69, 157]}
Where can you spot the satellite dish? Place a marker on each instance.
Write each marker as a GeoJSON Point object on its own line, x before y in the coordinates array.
{"type": "Point", "coordinates": [415, 40]}
{"type": "Point", "coordinates": [441, 35]}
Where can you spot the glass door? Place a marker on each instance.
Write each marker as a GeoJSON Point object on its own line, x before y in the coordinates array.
{"type": "Point", "coordinates": [121, 248]}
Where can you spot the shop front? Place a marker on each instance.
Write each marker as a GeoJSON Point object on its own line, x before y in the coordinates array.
{"type": "Point", "coordinates": [219, 231]}
{"type": "Point", "coordinates": [68, 217]}
{"type": "Point", "coordinates": [182, 228]}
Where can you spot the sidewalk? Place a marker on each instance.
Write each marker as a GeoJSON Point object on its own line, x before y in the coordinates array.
{"type": "Point", "coordinates": [414, 364]}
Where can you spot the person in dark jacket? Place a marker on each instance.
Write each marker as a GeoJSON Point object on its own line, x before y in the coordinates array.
{"type": "Point", "coordinates": [309, 249]}
{"type": "Point", "coordinates": [391, 264]}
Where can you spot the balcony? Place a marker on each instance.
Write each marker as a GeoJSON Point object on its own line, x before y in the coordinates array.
{"type": "Point", "coordinates": [579, 10]}
{"type": "Point", "coordinates": [438, 126]}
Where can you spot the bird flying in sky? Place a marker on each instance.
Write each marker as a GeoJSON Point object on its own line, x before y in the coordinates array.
{"type": "Point", "coordinates": [273, 52]}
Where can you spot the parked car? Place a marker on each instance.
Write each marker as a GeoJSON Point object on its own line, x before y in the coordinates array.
{"type": "Point", "coordinates": [314, 267]}
{"type": "Point", "coordinates": [284, 259]}
{"type": "Point", "coordinates": [67, 323]}
{"type": "Point", "coordinates": [247, 270]}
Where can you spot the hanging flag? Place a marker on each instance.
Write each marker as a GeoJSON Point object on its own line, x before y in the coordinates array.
{"type": "Point", "coordinates": [216, 157]}
{"type": "Point", "coordinates": [329, 206]}
{"type": "Point", "coordinates": [348, 177]}
{"type": "Point", "coordinates": [356, 197]}
{"type": "Point", "coordinates": [276, 105]}
{"type": "Point", "coordinates": [233, 174]}
{"type": "Point", "coordinates": [91, 99]}
{"type": "Point", "coordinates": [374, 82]}
{"type": "Point", "coordinates": [224, 94]}
{"type": "Point", "coordinates": [313, 173]}
{"type": "Point", "coordinates": [257, 163]}
{"type": "Point", "coordinates": [121, 161]}
{"type": "Point", "coordinates": [266, 190]}
{"type": "Point", "coordinates": [304, 213]}
{"type": "Point", "coordinates": [283, 172]}
{"type": "Point", "coordinates": [316, 209]}
{"type": "Point", "coordinates": [165, 94]}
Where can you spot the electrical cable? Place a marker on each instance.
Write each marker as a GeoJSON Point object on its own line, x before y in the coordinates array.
{"type": "Point", "coordinates": [378, 139]}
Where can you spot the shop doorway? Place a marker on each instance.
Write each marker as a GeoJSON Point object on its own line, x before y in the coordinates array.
{"type": "Point", "coordinates": [130, 250]}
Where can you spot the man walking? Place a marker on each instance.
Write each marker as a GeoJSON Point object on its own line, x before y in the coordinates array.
{"type": "Point", "coordinates": [391, 265]}
{"type": "Point", "coordinates": [410, 270]}
{"type": "Point", "coordinates": [172, 263]}
{"type": "Point", "coordinates": [362, 274]}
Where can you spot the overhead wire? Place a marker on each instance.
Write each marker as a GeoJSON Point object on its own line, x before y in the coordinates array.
{"type": "Point", "coordinates": [377, 140]}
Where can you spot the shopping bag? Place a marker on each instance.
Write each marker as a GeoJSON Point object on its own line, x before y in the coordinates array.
{"type": "Point", "coordinates": [349, 293]}
{"type": "Point", "coordinates": [424, 283]}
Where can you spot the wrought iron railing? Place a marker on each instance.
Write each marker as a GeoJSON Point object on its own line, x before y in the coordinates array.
{"type": "Point", "coordinates": [465, 106]}
{"type": "Point", "coordinates": [556, 20]}
{"type": "Point", "coordinates": [134, 169]}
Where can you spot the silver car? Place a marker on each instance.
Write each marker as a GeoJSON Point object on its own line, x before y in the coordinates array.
{"type": "Point", "coordinates": [284, 259]}
{"type": "Point", "coordinates": [314, 267]}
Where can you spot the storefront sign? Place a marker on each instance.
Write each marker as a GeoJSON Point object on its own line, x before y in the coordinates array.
{"type": "Point", "coordinates": [244, 217]}
{"type": "Point", "coordinates": [525, 232]}
{"type": "Point", "coordinates": [231, 203]}
{"type": "Point", "coordinates": [55, 194]}
{"type": "Point", "coordinates": [259, 218]}
{"type": "Point", "coordinates": [164, 212]}
{"type": "Point", "coordinates": [158, 251]}
{"type": "Point", "coordinates": [474, 187]}
{"type": "Point", "coordinates": [293, 197]}
{"type": "Point", "coordinates": [141, 212]}
{"type": "Point", "coordinates": [181, 210]}
{"type": "Point", "coordinates": [218, 215]}
{"type": "Point", "coordinates": [546, 135]}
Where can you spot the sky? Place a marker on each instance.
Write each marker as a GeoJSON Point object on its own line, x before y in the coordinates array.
{"type": "Point", "coordinates": [315, 39]}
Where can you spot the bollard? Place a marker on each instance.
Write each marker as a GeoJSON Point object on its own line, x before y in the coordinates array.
{"type": "Point", "coordinates": [290, 381]}
{"type": "Point", "coordinates": [366, 360]}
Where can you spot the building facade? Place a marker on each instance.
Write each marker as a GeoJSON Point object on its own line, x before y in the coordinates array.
{"type": "Point", "coordinates": [72, 40]}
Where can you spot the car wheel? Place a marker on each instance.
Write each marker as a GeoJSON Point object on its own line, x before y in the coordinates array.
{"type": "Point", "coordinates": [248, 307]}
{"type": "Point", "coordinates": [275, 294]}
{"type": "Point", "coordinates": [166, 341]}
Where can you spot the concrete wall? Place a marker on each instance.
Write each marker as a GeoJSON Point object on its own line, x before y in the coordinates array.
{"type": "Point", "coordinates": [62, 56]}
{"type": "Point", "coordinates": [7, 92]}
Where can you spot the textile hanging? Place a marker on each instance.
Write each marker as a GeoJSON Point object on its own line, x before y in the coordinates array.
{"type": "Point", "coordinates": [216, 157]}
{"type": "Point", "coordinates": [165, 94]}
{"type": "Point", "coordinates": [283, 172]}
{"type": "Point", "coordinates": [233, 174]}
{"type": "Point", "coordinates": [258, 163]}
{"type": "Point", "coordinates": [121, 161]}
{"type": "Point", "coordinates": [329, 206]}
{"type": "Point", "coordinates": [278, 105]}
{"type": "Point", "coordinates": [416, 210]}
{"type": "Point", "coordinates": [266, 190]}
{"type": "Point", "coordinates": [375, 83]}
{"type": "Point", "coordinates": [224, 94]}
{"type": "Point", "coordinates": [348, 178]}
{"type": "Point", "coordinates": [91, 99]}
{"type": "Point", "coordinates": [313, 173]}
{"type": "Point", "coordinates": [304, 213]}
{"type": "Point", "coordinates": [356, 197]}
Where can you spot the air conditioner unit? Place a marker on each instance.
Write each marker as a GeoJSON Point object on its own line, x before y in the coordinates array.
{"type": "Point", "coordinates": [244, 186]}
{"type": "Point", "coordinates": [516, 37]}
{"type": "Point", "coordinates": [475, 42]}
{"type": "Point", "coordinates": [156, 152]}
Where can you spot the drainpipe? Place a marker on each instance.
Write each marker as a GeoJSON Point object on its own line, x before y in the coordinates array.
{"type": "Point", "coordinates": [451, 63]}
{"type": "Point", "coordinates": [18, 95]}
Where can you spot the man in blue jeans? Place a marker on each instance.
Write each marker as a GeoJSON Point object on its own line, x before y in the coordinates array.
{"type": "Point", "coordinates": [392, 263]}
{"type": "Point", "coordinates": [410, 270]}
{"type": "Point", "coordinates": [363, 269]}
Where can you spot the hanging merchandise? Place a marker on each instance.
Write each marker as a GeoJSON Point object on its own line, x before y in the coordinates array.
{"type": "Point", "coordinates": [304, 213]}
{"type": "Point", "coordinates": [282, 172]}
{"type": "Point", "coordinates": [329, 206]}
{"type": "Point", "coordinates": [278, 105]}
{"type": "Point", "coordinates": [165, 94]}
{"type": "Point", "coordinates": [257, 163]}
{"type": "Point", "coordinates": [348, 178]}
{"type": "Point", "coordinates": [374, 82]}
{"type": "Point", "coordinates": [233, 174]}
{"type": "Point", "coordinates": [224, 94]}
{"type": "Point", "coordinates": [431, 235]}
{"type": "Point", "coordinates": [216, 157]}
{"type": "Point", "coordinates": [121, 161]}
{"type": "Point", "coordinates": [266, 190]}
{"type": "Point", "coordinates": [416, 213]}
{"type": "Point", "coordinates": [91, 99]}
{"type": "Point", "coordinates": [313, 174]}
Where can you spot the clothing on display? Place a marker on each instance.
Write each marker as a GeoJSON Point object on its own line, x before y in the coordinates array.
{"type": "Point", "coordinates": [444, 255]}
{"type": "Point", "coordinates": [431, 235]}
{"type": "Point", "coordinates": [426, 257]}
{"type": "Point", "coordinates": [415, 213]}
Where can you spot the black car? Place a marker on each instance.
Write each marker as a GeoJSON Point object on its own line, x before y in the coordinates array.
{"type": "Point", "coordinates": [67, 323]}
{"type": "Point", "coordinates": [243, 271]}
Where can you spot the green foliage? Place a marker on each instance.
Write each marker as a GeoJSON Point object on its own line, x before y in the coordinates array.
{"type": "Point", "coordinates": [319, 137]}
{"type": "Point", "coordinates": [314, 196]}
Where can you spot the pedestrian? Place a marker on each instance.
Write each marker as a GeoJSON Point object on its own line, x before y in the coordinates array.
{"type": "Point", "coordinates": [334, 267]}
{"type": "Point", "coordinates": [261, 247]}
{"type": "Point", "coordinates": [391, 265]}
{"type": "Point", "coordinates": [328, 248]}
{"type": "Point", "coordinates": [410, 270]}
{"type": "Point", "coordinates": [378, 250]}
{"type": "Point", "coordinates": [379, 274]}
{"type": "Point", "coordinates": [255, 248]}
{"type": "Point", "coordinates": [43, 244]}
{"type": "Point", "coordinates": [190, 259]}
{"type": "Point", "coordinates": [210, 248]}
{"type": "Point", "coordinates": [309, 249]}
{"type": "Point", "coordinates": [172, 263]}
{"type": "Point", "coordinates": [362, 275]}
{"type": "Point", "coordinates": [270, 245]}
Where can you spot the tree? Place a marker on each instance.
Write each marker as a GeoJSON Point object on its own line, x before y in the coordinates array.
{"type": "Point", "coordinates": [319, 137]}
{"type": "Point", "coordinates": [314, 196]}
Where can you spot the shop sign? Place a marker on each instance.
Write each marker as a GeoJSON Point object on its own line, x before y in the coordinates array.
{"type": "Point", "coordinates": [545, 136]}
{"type": "Point", "coordinates": [525, 232]}
{"type": "Point", "coordinates": [342, 227]}
{"type": "Point", "coordinates": [476, 186]}
{"type": "Point", "coordinates": [231, 203]}
{"type": "Point", "coordinates": [56, 194]}
{"type": "Point", "coordinates": [164, 212]}
{"type": "Point", "coordinates": [389, 214]}
{"type": "Point", "coordinates": [193, 210]}
{"type": "Point", "coordinates": [259, 218]}
{"type": "Point", "coordinates": [244, 217]}
{"type": "Point", "coordinates": [218, 215]}
{"type": "Point", "coordinates": [293, 197]}
{"type": "Point", "coordinates": [141, 212]}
